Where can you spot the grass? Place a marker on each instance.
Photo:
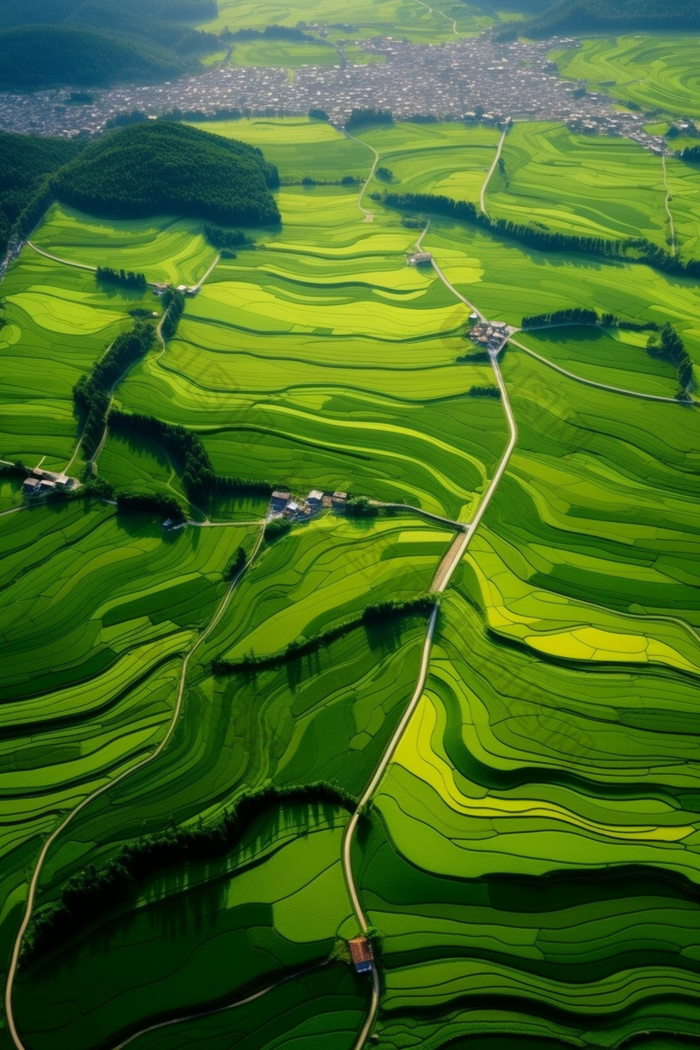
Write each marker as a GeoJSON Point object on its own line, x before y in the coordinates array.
{"type": "Point", "coordinates": [656, 72]}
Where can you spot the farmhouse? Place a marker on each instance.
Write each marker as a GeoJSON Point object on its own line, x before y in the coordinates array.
{"type": "Point", "coordinates": [41, 482]}
{"type": "Point", "coordinates": [361, 954]}
{"type": "Point", "coordinates": [420, 259]}
{"type": "Point", "coordinates": [279, 501]}
{"type": "Point", "coordinates": [314, 499]}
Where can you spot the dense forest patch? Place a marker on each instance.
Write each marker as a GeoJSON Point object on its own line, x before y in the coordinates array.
{"type": "Point", "coordinates": [166, 167]}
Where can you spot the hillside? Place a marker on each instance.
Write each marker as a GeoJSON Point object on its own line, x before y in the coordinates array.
{"type": "Point", "coordinates": [616, 16]}
{"type": "Point", "coordinates": [24, 159]}
{"type": "Point", "coordinates": [45, 42]}
{"type": "Point", "coordinates": [160, 166]}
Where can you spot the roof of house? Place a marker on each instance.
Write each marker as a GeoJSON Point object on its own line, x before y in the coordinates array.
{"type": "Point", "coordinates": [315, 494]}
{"type": "Point", "coordinates": [360, 950]}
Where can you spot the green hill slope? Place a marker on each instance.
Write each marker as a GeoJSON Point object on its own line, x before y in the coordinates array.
{"type": "Point", "coordinates": [34, 56]}
{"type": "Point", "coordinates": [159, 166]}
{"type": "Point", "coordinates": [24, 159]}
{"type": "Point", "coordinates": [617, 16]}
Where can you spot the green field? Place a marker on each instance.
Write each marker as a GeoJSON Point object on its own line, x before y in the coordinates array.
{"type": "Point", "coordinates": [420, 23]}
{"type": "Point", "coordinates": [530, 855]}
{"type": "Point", "coordinates": [655, 72]}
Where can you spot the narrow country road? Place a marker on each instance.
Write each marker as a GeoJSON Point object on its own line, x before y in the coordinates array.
{"type": "Point", "coordinates": [56, 258]}
{"type": "Point", "coordinates": [493, 167]}
{"type": "Point", "coordinates": [369, 216]}
{"type": "Point", "coordinates": [592, 382]}
{"type": "Point", "coordinates": [442, 578]}
{"type": "Point", "coordinates": [667, 204]}
{"type": "Point", "coordinates": [31, 896]}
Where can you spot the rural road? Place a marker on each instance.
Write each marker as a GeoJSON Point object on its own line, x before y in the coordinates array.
{"type": "Point", "coordinates": [440, 583]}
{"type": "Point", "coordinates": [369, 216]}
{"type": "Point", "coordinates": [31, 896]}
{"type": "Point", "coordinates": [667, 203]}
{"type": "Point", "coordinates": [592, 382]}
{"type": "Point", "coordinates": [56, 258]}
{"type": "Point", "coordinates": [493, 167]}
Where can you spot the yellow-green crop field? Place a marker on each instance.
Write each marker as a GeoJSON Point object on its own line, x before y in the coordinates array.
{"type": "Point", "coordinates": [190, 716]}
{"type": "Point", "coordinates": [656, 72]}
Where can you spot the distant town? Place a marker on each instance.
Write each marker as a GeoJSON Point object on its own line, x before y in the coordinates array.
{"type": "Point", "coordinates": [476, 78]}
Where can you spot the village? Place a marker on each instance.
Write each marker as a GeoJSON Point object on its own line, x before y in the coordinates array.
{"type": "Point", "coordinates": [284, 505]}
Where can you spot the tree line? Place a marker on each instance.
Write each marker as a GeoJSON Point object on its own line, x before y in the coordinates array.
{"type": "Point", "coordinates": [360, 118]}
{"type": "Point", "coordinates": [691, 155]}
{"type": "Point", "coordinates": [226, 241]}
{"type": "Point", "coordinates": [157, 503]}
{"type": "Point", "coordinates": [669, 346]}
{"type": "Point", "coordinates": [92, 393]}
{"type": "Point", "coordinates": [173, 309]}
{"type": "Point", "coordinates": [126, 278]}
{"type": "Point", "coordinates": [544, 240]}
{"type": "Point", "coordinates": [581, 315]}
{"type": "Point", "coordinates": [94, 892]}
{"type": "Point", "coordinates": [373, 615]}
{"type": "Point", "coordinates": [188, 454]}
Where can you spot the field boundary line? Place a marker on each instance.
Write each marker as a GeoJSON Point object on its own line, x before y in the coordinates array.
{"type": "Point", "coordinates": [221, 1009]}
{"type": "Point", "coordinates": [31, 896]}
{"type": "Point", "coordinates": [600, 386]}
{"type": "Point", "coordinates": [499, 150]}
{"type": "Point", "coordinates": [459, 525]}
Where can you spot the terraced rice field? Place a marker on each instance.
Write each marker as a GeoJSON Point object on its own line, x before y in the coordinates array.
{"type": "Point", "coordinates": [528, 853]}
{"type": "Point", "coordinates": [592, 186]}
{"type": "Point", "coordinates": [656, 72]}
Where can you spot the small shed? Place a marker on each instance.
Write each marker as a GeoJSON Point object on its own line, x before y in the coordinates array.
{"type": "Point", "coordinates": [420, 259]}
{"type": "Point", "coordinates": [279, 501]}
{"type": "Point", "coordinates": [315, 498]}
{"type": "Point", "coordinates": [361, 954]}
{"type": "Point", "coordinates": [30, 487]}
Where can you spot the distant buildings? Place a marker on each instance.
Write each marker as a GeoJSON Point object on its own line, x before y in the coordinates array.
{"type": "Point", "coordinates": [284, 505]}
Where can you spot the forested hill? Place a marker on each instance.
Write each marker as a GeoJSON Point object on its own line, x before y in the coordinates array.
{"type": "Point", "coordinates": [162, 167]}
{"type": "Point", "coordinates": [92, 42]}
{"type": "Point", "coordinates": [24, 159]}
{"type": "Point", "coordinates": [615, 16]}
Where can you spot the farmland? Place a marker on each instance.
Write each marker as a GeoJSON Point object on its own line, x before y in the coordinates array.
{"type": "Point", "coordinates": [526, 845]}
{"type": "Point", "coordinates": [655, 72]}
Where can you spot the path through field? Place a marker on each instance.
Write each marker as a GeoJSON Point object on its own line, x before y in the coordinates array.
{"type": "Point", "coordinates": [31, 896]}
{"type": "Point", "coordinates": [499, 150]}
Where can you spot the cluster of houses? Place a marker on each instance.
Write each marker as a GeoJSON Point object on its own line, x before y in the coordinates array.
{"type": "Point", "coordinates": [284, 505]}
{"type": "Point", "coordinates": [488, 335]}
{"type": "Point", "coordinates": [43, 482]}
{"type": "Point", "coordinates": [161, 287]}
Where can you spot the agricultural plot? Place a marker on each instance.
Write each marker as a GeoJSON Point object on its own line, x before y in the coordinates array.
{"type": "Point", "coordinates": [299, 147]}
{"type": "Point", "coordinates": [322, 1010]}
{"type": "Point", "coordinates": [420, 23]}
{"type": "Point", "coordinates": [277, 904]}
{"type": "Point", "coordinates": [289, 54]}
{"type": "Point", "coordinates": [592, 186]}
{"type": "Point", "coordinates": [97, 616]}
{"type": "Point", "coordinates": [656, 72]}
{"type": "Point", "coordinates": [684, 203]}
{"type": "Point", "coordinates": [614, 357]}
{"type": "Point", "coordinates": [448, 159]}
{"type": "Point", "coordinates": [505, 279]}
{"type": "Point", "coordinates": [558, 769]}
{"type": "Point", "coordinates": [164, 249]}
{"type": "Point", "coordinates": [530, 857]}
{"type": "Point", "coordinates": [58, 323]}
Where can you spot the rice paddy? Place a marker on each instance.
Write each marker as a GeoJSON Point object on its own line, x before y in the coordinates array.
{"type": "Point", "coordinates": [529, 857]}
{"type": "Point", "coordinates": [655, 72]}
